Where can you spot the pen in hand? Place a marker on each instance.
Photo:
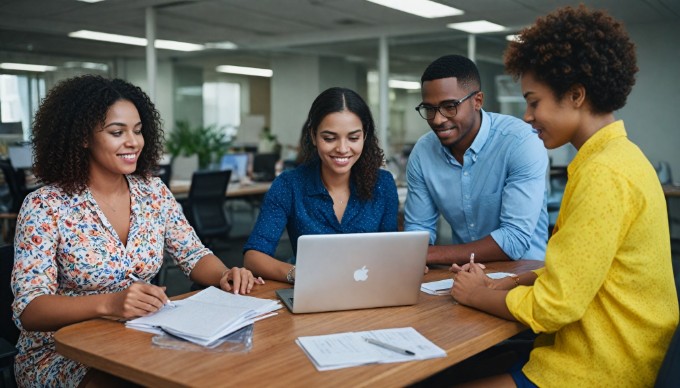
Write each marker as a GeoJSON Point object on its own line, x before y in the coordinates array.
{"type": "Point", "coordinates": [457, 268]}
{"type": "Point", "coordinates": [389, 347]}
{"type": "Point", "coordinates": [137, 279]}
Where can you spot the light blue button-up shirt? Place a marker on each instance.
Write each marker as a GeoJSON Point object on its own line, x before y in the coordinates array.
{"type": "Point", "coordinates": [500, 190]}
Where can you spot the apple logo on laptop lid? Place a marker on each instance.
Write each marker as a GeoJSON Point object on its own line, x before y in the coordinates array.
{"type": "Point", "coordinates": [361, 274]}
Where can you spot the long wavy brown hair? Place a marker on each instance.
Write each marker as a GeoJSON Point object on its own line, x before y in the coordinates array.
{"type": "Point", "coordinates": [67, 119]}
{"type": "Point", "coordinates": [364, 172]}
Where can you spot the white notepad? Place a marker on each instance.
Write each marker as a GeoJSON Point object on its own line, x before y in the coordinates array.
{"type": "Point", "coordinates": [342, 350]}
{"type": "Point", "coordinates": [443, 287]}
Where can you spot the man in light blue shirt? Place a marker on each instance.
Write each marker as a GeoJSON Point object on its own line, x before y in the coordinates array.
{"type": "Point", "coordinates": [483, 172]}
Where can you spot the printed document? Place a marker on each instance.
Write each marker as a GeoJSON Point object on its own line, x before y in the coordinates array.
{"type": "Point", "coordinates": [342, 350]}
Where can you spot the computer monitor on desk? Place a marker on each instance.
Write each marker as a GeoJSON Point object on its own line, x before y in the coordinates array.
{"type": "Point", "coordinates": [237, 163]}
{"type": "Point", "coordinates": [264, 167]}
{"type": "Point", "coordinates": [21, 156]}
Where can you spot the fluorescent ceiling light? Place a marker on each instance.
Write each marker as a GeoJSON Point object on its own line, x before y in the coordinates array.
{"type": "Point", "coordinates": [133, 40]}
{"type": "Point", "coordinates": [424, 8]}
{"type": "Point", "coordinates": [90, 1]}
{"type": "Point", "coordinates": [86, 65]}
{"type": "Point", "coordinates": [512, 38]}
{"type": "Point", "coordinates": [397, 84]}
{"type": "Point", "coordinates": [476, 27]}
{"type": "Point", "coordinates": [26, 67]}
{"type": "Point", "coordinates": [226, 45]}
{"type": "Point", "coordinates": [244, 70]}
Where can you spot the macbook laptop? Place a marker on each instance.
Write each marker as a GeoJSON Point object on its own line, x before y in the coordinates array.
{"type": "Point", "coordinates": [355, 271]}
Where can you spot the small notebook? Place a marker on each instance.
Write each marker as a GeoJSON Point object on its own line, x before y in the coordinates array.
{"type": "Point", "coordinates": [443, 287]}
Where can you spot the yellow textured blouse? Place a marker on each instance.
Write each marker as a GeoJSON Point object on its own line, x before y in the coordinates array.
{"type": "Point", "coordinates": [605, 302]}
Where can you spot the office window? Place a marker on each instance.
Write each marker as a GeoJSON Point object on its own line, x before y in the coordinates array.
{"type": "Point", "coordinates": [20, 97]}
{"type": "Point", "coordinates": [222, 105]}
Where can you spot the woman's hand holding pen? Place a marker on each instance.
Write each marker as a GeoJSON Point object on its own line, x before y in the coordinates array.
{"type": "Point", "coordinates": [468, 278]}
{"type": "Point", "coordinates": [139, 299]}
{"type": "Point", "coordinates": [242, 280]}
{"type": "Point", "coordinates": [465, 267]}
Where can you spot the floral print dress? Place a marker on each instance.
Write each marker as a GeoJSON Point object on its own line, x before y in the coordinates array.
{"type": "Point", "coordinates": [64, 245]}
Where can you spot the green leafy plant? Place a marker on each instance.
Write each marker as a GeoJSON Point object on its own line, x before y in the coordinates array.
{"type": "Point", "coordinates": [208, 142]}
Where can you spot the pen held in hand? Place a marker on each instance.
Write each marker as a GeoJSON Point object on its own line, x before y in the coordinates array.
{"type": "Point", "coordinates": [137, 279]}
{"type": "Point", "coordinates": [389, 347]}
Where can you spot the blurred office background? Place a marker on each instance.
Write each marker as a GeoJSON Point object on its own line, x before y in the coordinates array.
{"type": "Point", "coordinates": [294, 49]}
{"type": "Point", "coordinates": [308, 45]}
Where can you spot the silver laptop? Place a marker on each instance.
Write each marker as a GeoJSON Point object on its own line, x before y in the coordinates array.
{"type": "Point", "coordinates": [357, 270]}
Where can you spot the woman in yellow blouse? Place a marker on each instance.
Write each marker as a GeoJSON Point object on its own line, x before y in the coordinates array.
{"type": "Point", "coordinates": [605, 304]}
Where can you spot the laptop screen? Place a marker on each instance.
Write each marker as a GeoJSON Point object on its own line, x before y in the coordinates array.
{"type": "Point", "coordinates": [237, 163]}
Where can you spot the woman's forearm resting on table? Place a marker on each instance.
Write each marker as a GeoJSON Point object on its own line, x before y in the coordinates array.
{"type": "Point", "coordinates": [266, 266]}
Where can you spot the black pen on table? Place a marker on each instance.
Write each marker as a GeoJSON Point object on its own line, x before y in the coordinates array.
{"type": "Point", "coordinates": [389, 347]}
{"type": "Point", "coordinates": [137, 279]}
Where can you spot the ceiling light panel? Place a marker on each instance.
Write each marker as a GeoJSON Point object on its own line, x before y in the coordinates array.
{"type": "Point", "coordinates": [424, 8]}
{"type": "Point", "coordinates": [135, 41]}
{"type": "Point", "coordinates": [257, 72]}
{"type": "Point", "coordinates": [26, 67]}
{"type": "Point", "coordinates": [476, 27]}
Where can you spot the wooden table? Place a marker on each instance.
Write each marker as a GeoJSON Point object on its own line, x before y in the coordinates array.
{"type": "Point", "coordinates": [275, 359]}
{"type": "Point", "coordinates": [180, 188]}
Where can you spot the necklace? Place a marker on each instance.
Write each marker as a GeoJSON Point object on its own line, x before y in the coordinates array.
{"type": "Point", "coordinates": [335, 199]}
{"type": "Point", "coordinates": [100, 199]}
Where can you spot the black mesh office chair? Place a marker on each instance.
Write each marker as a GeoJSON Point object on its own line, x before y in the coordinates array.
{"type": "Point", "coordinates": [264, 166]}
{"type": "Point", "coordinates": [15, 182]}
{"type": "Point", "coordinates": [205, 206]}
{"type": "Point", "coordinates": [8, 331]}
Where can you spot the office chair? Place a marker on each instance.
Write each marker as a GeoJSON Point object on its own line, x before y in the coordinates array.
{"type": "Point", "coordinates": [264, 166]}
{"type": "Point", "coordinates": [16, 183]}
{"type": "Point", "coordinates": [9, 334]}
{"type": "Point", "coordinates": [669, 374]}
{"type": "Point", "coordinates": [205, 206]}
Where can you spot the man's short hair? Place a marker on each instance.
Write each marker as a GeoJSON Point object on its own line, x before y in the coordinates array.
{"type": "Point", "coordinates": [456, 66]}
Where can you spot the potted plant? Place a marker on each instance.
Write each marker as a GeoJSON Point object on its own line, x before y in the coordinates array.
{"type": "Point", "coordinates": [209, 143]}
{"type": "Point", "coordinates": [268, 142]}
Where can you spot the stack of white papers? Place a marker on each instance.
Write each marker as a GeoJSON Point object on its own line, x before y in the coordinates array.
{"type": "Point", "coordinates": [342, 350]}
{"type": "Point", "coordinates": [443, 287]}
{"type": "Point", "coordinates": [206, 317]}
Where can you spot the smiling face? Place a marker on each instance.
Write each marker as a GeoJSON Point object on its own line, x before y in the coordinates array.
{"type": "Point", "coordinates": [339, 140]}
{"type": "Point", "coordinates": [458, 132]}
{"type": "Point", "coordinates": [116, 145]}
{"type": "Point", "coordinates": [556, 121]}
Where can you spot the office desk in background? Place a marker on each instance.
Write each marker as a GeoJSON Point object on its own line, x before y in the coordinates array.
{"type": "Point", "coordinates": [275, 359]}
{"type": "Point", "coordinates": [180, 189]}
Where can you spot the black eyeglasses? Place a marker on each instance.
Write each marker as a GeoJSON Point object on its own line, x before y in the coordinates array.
{"type": "Point", "coordinates": [447, 109]}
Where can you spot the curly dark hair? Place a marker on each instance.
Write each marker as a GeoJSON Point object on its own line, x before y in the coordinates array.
{"type": "Point", "coordinates": [67, 118]}
{"type": "Point", "coordinates": [454, 66]}
{"type": "Point", "coordinates": [365, 170]}
{"type": "Point", "coordinates": [573, 46]}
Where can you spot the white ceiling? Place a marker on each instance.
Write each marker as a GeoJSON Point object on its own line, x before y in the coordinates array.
{"type": "Point", "coordinates": [264, 28]}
